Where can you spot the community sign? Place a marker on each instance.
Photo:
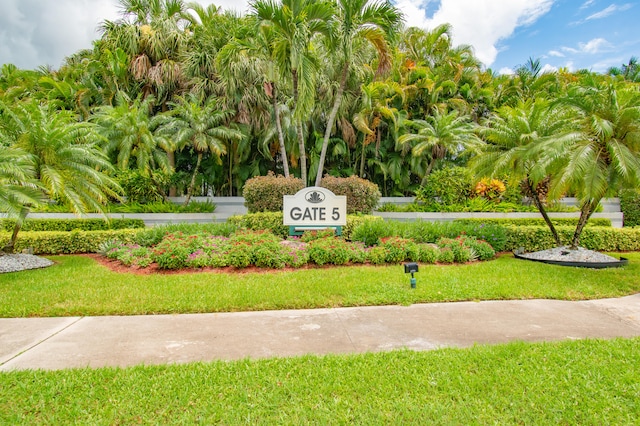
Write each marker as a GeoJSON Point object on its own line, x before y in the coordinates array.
{"type": "Point", "coordinates": [315, 206]}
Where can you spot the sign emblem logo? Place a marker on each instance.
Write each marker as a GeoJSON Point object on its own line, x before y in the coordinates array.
{"type": "Point", "coordinates": [314, 197]}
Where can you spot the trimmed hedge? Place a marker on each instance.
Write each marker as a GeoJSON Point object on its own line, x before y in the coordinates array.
{"type": "Point", "coordinates": [362, 196]}
{"type": "Point", "coordinates": [65, 242]}
{"type": "Point", "coordinates": [264, 193]}
{"type": "Point", "coordinates": [533, 222]}
{"type": "Point", "coordinates": [630, 206]}
{"type": "Point", "coordinates": [600, 238]}
{"type": "Point", "coordinates": [39, 225]}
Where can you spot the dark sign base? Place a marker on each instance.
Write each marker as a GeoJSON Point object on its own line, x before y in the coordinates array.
{"type": "Point", "coordinates": [593, 265]}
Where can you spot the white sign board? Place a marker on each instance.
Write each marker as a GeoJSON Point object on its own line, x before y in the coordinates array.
{"type": "Point", "coordinates": [315, 206]}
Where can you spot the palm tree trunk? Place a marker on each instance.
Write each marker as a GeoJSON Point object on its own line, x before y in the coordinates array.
{"type": "Point", "coordinates": [283, 149]}
{"type": "Point", "coordinates": [24, 211]}
{"type": "Point", "coordinates": [301, 145]}
{"type": "Point", "coordinates": [193, 179]}
{"type": "Point", "coordinates": [587, 209]}
{"type": "Point", "coordinates": [428, 171]}
{"type": "Point", "coordinates": [543, 212]}
{"type": "Point", "coordinates": [331, 120]}
{"type": "Point", "coordinates": [171, 156]}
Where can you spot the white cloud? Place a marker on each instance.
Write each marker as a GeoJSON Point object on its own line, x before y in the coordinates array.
{"type": "Point", "coordinates": [44, 32]}
{"type": "Point", "coordinates": [594, 46]}
{"type": "Point", "coordinates": [608, 11]}
{"type": "Point", "coordinates": [506, 71]}
{"type": "Point", "coordinates": [548, 69]}
{"type": "Point", "coordinates": [556, 54]}
{"type": "Point", "coordinates": [587, 4]}
{"type": "Point", "coordinates": [479, 23]}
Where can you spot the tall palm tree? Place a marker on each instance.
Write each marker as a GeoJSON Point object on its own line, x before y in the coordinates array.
{"type": "Point", "coordinates": [202, 127]}
{"type": "Point", "coordinates": [441, 134]}
{"type": "Point", "coordinates": [605, 156]}
{"type": "Point", "coordinates": [295, 22]}
{"type": "Point", "coordinates": [371, 20]}
{"type": "Point", "coordinates": [511, 132]}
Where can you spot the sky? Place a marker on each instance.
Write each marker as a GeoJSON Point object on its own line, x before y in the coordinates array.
{"type": "Point", "coordinates": [570, 34]}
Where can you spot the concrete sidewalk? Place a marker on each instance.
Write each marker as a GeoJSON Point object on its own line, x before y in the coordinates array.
{"type": "Point", "coordinates": [57, 343]}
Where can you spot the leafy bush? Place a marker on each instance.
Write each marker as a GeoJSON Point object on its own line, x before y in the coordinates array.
{"type": "Point", "coordinates": [353, 221]}
{"type": "Point", "coordinates": [141, 188]}
{"type": "Point", "coordinates": [265, 193]}
{"type": "Point", "coordinates": [271, 221]}
{"type": "Point", "coordinates": [462, 252]}
{"type": "Point", "coordinates": [329, 251]}
{"type": "Point", "coordinates": [398, 249]}
{"type": "Point", "coordinates": [630, 206]}
{"type": "Point", "coordinates": [38, 225]}
{"type": "Point", "coordinates": [446, 255]}
{"type": "Point", "coordinates": [370, 232]}
{"type": "Point", "coordinates": [428, 253]}
{"type": "Point", "coordinates": [362, 195]}
{"type": "Point", "coordinates": [376, 255]}
{"type": "Point", "coordinates": [309, 236]}
{"type": "Point", "coordinates": [451, 185]}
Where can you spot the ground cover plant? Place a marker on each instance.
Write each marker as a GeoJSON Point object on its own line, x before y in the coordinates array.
{"type": "Point", "coordinates": [571, 382]}
{"type": "Point", "coordinates": [80, 285]}
{"type": "Point", "coordinates": [244, 248]}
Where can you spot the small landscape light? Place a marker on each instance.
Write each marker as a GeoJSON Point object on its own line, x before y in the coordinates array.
{"type": "Point", "coordinates": [411, 268]}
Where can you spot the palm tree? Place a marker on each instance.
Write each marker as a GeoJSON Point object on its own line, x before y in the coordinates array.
{"type": "Point", "coordinates": [511, 133]}
{"type": "Point", "coordinates": [130, 137]}
{"type": "Point", "coordinates": [19, 190]}
{"type": "Point", "coordinates": [295, 22]}
{"type": "Point", "coordinates": [63, 155]}
{"type": "Point", "coordinates": [441, 134]}
{"type": "Point", "coordinates": [201, 127]}
{"type": "Point", "coordinates": [369, 20]}
{"type": "Point", "coordinates": [605, 156]}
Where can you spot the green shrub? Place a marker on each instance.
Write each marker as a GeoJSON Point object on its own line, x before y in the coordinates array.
{"type": "Point", "coordinates": [536, 238]}
{"type": "Point", "coordinates": [370, 232]}
{"type": "Point", "coordinates": [38, 225]}
{"type": "Point", "coordinates": [270, 255]}
{"type": "Point", "coordinates": [265, 193]}
{"type": "Point", "coordinates": [630, 206]}
{"type": "Point", "coordinates": [142, 188]}
{"type": "Point", "coordinates": [54, 242]}
{"type": "Point", "coordinates": [451, 185]}
{"type": "Point", "coordinates": [353, 221]}
{"type": "Point", "coordinates": [362, 196]}
{"type": "Point", "coordinates": [462, 252]}
{"type": "Point", "coordinates": [446, 255]}
{"type": "Point", "coordinates": [270, 221]}
{"type": "Point", "coordinates": [376, 255]}
{"type": "Point", "coordinates": [397, 248]}
{"type": "Point", "coordinates": [330, 250]}
{"type": "Point", "coordinates": [309, 236]}
{"type": "Point", "coordinates": [533, 221]}
{"type": "Point", "coordinates": [428, 253]}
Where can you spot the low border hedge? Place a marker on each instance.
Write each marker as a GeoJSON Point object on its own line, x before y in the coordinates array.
{"type": "Point", "coordinates": [600, 238]}
{"type": "Point", "coordinates": [39, 225]}
{"type": "Point", "coordinates": [534, 221]}
{"type": "Point", "coordinates": [64, 242]}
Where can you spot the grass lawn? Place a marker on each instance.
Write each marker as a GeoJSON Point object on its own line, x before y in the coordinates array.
{"type": "Point", "coordinates": [78, 286]}
{"type": "Point", "coordinates": [573, 382]}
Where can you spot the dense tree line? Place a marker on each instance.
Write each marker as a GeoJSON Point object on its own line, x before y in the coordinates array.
{"type": "Point", "coordinates": [196, 101]}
